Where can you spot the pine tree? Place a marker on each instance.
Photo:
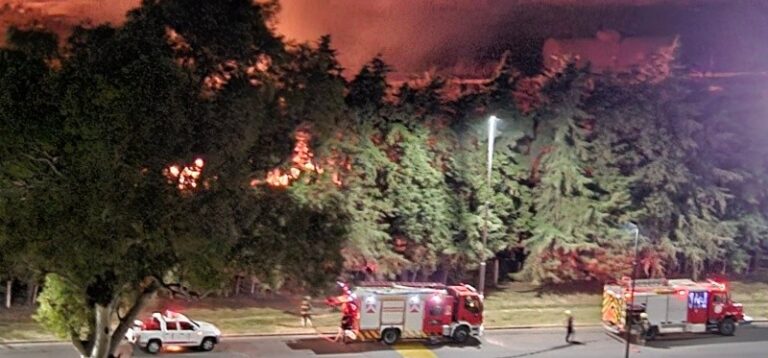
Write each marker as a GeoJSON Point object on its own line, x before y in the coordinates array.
{"type": "Point", "coordinates": [573, 224]}
{"type": "Point", "coordinates": [368, 90]}
{"type": "Point", "coordinates": [656, 132]}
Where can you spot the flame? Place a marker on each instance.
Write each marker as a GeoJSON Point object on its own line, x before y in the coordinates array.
{"type": "Point", "coordinates": [187, 178]}
{"type": "Point", "coordinates": [302, 161]}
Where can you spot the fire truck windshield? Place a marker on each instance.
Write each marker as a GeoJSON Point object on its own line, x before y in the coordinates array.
{"type": "Point", "coordinates": [719, 298]}
{"type": "Point", "coordinates": [472, 304]}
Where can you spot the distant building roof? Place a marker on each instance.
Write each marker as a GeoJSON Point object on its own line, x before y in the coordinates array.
{"type": "Point", "coordinates": [608, 51]}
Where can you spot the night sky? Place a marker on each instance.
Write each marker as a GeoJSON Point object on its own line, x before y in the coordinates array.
{"type": "Point", "coordinates": [415, 35]}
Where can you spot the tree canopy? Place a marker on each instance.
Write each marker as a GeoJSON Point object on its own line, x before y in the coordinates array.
{"type": "Point", "coordinates": [179, 149]}
{"type": "Point", "coordinates": [126, 163]}
{"type": "Point", "coordinates": [577, 156]}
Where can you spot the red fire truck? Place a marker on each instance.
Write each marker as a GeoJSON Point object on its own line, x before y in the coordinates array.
{"type": "Point", "coordinates": [671, 306]}
{"type": "Point", "coordinates": [389, 311]}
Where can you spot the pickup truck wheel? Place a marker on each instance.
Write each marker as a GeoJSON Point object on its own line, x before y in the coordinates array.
{"type": "Point", "coordinates": [154, 346]}
{"type": "Point", "coordinates": [390, 336]}
{"type": "Point", "coordinates": [207, 344]}
{"type": "Point", "coordinates": [460, 334]}
{"type": "Point", "coordinates": [727, 327]}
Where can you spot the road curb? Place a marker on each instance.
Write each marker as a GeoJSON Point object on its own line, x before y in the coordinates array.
{"type": "Point", "coordinates": [10, 343]}
{"type": "Point", "coordinates": [275, 334]}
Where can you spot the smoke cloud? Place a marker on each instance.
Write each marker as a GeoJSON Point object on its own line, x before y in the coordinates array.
{"type": "Point", "coordinates": [463, 35]}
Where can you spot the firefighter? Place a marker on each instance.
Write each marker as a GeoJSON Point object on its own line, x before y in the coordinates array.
{"type": "Point", "coordinates": [645, 327]}
{"type": "Point", "coordinates": [346, 328]}
{"type": "Point", "coordinates": [306, 311]}
{"type": "Point", "coordinates": [349, 313]}
{"type": "Point", "coordinates": [568, 326]}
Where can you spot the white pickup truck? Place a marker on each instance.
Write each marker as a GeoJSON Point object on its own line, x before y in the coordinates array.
{"type": "Point", "coordinates": [172, 329]}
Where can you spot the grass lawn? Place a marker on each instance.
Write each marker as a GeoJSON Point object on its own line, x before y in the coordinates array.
{"type": "Point", "coordinates": [17, 325]}
{"type": "Point", "coordinates": [514, 304]}
{"type": "Point", "coordinates": [524, 304]}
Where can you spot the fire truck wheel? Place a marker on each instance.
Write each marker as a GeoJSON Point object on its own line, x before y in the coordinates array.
{"type": "Point", "coordinates": [390, 336]}
{"type": "Point", "coordinates": [460, 334]}
{"type": "Point", "coordinates": [652, 333]}
{"type": "Point", "coordinates": [154, 346]}
{"type": "Point", "coordinates": [727, 327]}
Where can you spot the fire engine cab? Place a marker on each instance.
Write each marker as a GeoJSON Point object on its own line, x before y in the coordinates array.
{"type": "Point", "coordinates": [389, 311]}
{"type": "Point", "coordinates": [671, 306]}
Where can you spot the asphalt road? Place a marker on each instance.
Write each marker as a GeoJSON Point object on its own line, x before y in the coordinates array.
{"type": "Point", "coordinates": [749, 341]}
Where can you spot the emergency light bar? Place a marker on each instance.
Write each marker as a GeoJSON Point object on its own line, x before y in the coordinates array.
{"type": "Point", "coordinates": [433, 285]}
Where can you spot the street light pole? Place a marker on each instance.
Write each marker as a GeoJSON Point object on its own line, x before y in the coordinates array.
{"type": "Point", "coordinates": [631, 301]}
{"type": "Point", "coordinates": [491, 135]}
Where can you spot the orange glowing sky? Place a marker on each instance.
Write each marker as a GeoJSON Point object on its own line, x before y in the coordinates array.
{"type": "Point", "coordinates": [414, 35]}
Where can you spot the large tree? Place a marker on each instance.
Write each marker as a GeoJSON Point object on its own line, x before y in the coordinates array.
{"type": "Point", "coordinates": [129, 158]}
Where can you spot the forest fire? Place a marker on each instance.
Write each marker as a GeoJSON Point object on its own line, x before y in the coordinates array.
{"type": "Point", "coordinates": [185, 178]}
{"type": "Point", "coordinates": [194, 144]}
{"type": "Point", "coordinates": [302, 161]}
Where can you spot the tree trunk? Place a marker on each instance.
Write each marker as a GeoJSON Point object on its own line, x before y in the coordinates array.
{"type": "Point", "coordinates": [35, 291]}
{"type": "Point", "coordinates": [237, 285]}
{"type": "Point", "coordinates": [127, 321]}
{"type": "Point", "coordinates": [31, 292]}
{"type": "Point", "coordinates": [253, 285]}
{"type": "Point", "coordinates": [102, 342]}
{"type": "Point", "coordinates": [496, 272]}
{"type": "Point", "coordinates": [443, 274]}
{"type": "Point", "coordinates": [75, 339]}
{"type": "Point", "coordinates": [683, 266]}
{"type": "Point", "coordinates": [8, 293]}
{"type": "Point", "coordinates": [694, 271]}
{"type": "Point", "coordinates": [101, 338]}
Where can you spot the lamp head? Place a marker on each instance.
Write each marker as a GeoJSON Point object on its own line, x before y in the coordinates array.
{"type": "Point", "coordinates": [631, 227]}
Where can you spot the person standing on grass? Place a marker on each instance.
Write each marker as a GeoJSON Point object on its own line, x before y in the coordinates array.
{"type": "Point", "coordinates": [568, 326]}
{"type": "Point", "coordinates": [306, 311]}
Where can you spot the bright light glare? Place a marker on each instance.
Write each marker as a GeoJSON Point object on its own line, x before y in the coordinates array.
{"type": "Point", "coordinates": [174, 348]}
{"type": "Point", "coordinates": [199, 162]}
